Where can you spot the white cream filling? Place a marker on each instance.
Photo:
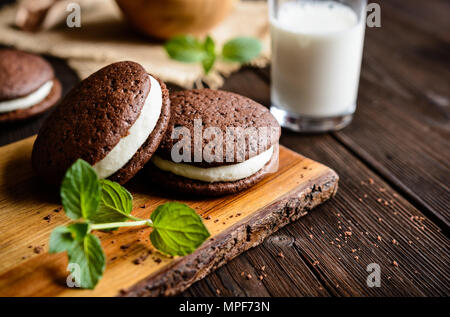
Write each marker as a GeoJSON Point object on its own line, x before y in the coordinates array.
{"type": "Point", "coordinates": [137, 134]}
{"type": "Point", "coordinates": [29, 100]}
{"type": "Point", "coordinates": [225, 173]}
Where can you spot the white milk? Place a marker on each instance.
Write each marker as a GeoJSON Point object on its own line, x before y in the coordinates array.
{"type": "Point", "coordinates": [317, 50]}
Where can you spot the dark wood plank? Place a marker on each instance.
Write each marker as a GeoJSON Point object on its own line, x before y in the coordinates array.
{"type": "Point", "coordinates": [430, 16]}
{"type": "Point", "coordinates": [369, 208]}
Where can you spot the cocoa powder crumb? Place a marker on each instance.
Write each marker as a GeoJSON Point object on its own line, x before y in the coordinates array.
{"type": "Point", "coordinates": [125, 246]}
{"type": "Point", "coordinates": [57, 209]}
{"type": "Point", "coordinates": [37, 249]}
{"type": "Point", "coordinates": [157, 260]}
{"type": "Point", "coordinates": [48, 218]}
{"type": "Point", "coordinates": [141, 259]}
{"type": "Point", "coordinates": [208, 218]}
{"type": "Point", "coordinates": [122, 291]}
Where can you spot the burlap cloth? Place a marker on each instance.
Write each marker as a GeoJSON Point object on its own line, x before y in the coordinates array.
{"type": "Point", "coordinates": [105, 38]}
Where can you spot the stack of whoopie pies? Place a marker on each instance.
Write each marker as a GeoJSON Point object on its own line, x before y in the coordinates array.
{"type": "Point", "coordinates": [28, 86]}
{"type": "Point", "coordinates": [120, 116]}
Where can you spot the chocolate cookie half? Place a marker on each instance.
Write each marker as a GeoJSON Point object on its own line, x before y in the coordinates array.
{"type": "Point", "coordinates": [114, 120]}
{"type": "Point", "coordinates": [217, 143]}
{"type": "Point", "coordinates": [28, 86]}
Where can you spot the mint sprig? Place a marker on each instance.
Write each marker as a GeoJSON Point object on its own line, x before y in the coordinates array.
{"type": "Point", "coordinates": [106, 205]}
{"type": "Point", "coordinates": [188, 49]}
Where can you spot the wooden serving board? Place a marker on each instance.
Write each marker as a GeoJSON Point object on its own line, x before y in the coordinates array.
{"type": "Point", "coordinates": [29, 210]}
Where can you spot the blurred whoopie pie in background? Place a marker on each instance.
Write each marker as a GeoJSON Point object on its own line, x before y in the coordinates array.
{"type": "Point", "coordinates": [28, 86]}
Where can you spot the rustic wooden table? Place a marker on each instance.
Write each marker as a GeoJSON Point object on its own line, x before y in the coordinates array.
{"type": "Point", "coordinates": [393, 204]}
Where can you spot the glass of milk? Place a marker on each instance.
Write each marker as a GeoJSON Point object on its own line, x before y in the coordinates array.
{"type": "Point", "coordinates": [316, 60]}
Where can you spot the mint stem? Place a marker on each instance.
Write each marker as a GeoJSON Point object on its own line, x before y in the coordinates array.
{"type": "Point", "coordinates": [134, 218]}
{"type": "Point", "coordinates": [103, 226]}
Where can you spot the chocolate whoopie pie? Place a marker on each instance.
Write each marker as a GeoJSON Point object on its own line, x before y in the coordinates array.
{"type": "Point", "coordinates": [114, 120]}
{"type": "Point", "coordinates": [238, 144]}
{"type": "Point", "coordinates": [28, 86]}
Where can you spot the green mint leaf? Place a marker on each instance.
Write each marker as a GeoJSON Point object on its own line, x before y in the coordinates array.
{"type": "Point", "coordinates": [79, 230]}
{"type": "Point", "coordinates": [185, 48]}
{"type": "Point", "coordinates": [209, 45]}
{"type": "Point", "coordinates": [63, 238]}
{"type": "Point", "coordinates": [115, 203]}
{"type": "Point", "coordinates": [208, 63]}
{"type": "Point", "coordinates": [241, 49]}
{"type": "Point", "coordinates": [88, 255]}
{"type": "Point", "coordinates": [209, 60]}
{"type": "Point", "coordinates": [80, 191]}
{"type": "Point", "coordinates": [177, 229]}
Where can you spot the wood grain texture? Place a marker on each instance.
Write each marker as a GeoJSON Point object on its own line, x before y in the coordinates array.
{"type": "Point", "coordinates": [29, 211]}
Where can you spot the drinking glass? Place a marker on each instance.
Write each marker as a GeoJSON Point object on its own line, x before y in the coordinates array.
{"type": "Point", "coordinates": [317, 49]}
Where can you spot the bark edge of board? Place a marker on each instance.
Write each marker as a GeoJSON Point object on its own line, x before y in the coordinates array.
{"type": "Point", "coordinates": [247, 233]}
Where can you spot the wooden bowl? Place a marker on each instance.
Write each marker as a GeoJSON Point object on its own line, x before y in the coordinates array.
{"type": "Point", "coordinates": [166, 18]}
